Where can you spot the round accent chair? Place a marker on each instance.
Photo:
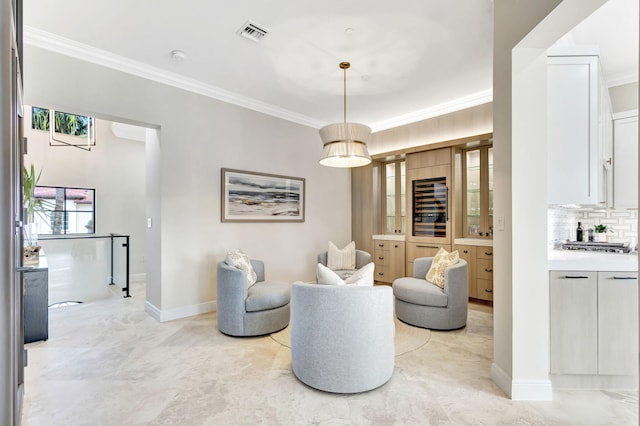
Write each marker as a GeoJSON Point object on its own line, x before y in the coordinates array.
{"type": "Point", "coordinates": [342, 337]}
{"type": "Point", "coordinates": [421, 303]}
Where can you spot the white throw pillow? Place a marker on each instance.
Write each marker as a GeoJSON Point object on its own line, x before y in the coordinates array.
{"type": "Point", "coordinates": [362, 277]}
{"type": "Point", "coordinates": [240, 260]}
{"type": "Point", "coordinates": [344, 258]}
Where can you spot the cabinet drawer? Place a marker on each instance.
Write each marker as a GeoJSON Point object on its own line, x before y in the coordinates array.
{"type": "Point", "coordinates": [415, 250]}
{"type": "Point", "coordinates": [485, 289]}
{"type": "Point", "coordinates": [382, 244]}
{"type": "Point", "coordinates": [484, 269]}
{"type": "Point", "coordinates": [381, 257]}
{"type": "Point", "coordinates": [383, 273]}
{"type": "Point", "coordinates": [484, 252]}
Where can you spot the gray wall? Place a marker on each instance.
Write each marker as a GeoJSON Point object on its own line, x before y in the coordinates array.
{"type": "Point", "coordinates": [197, 137]}
{"type": "Point", "coordinates": [624, 97]}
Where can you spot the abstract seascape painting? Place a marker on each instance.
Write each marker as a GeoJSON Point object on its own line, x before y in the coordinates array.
{"type": "Point", "coordinates": [261, 197]}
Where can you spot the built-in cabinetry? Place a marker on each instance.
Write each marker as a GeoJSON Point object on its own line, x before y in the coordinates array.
{"type": "Point", "coordinates": [625, 161]}
{"type": "Point", "coordinates": [428, 204]}
{"type": "Point", "coordinates": [594, 329]}
{"type": "Point", "coordinates": [388, 256]}
{"type": "Point", "coordinates": [480, 264]}
{"type": "Point", "coordinates": [579, 132]}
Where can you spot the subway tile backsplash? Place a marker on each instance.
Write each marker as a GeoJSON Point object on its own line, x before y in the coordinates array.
{"type": "Point", "coordinates": [562, 224]}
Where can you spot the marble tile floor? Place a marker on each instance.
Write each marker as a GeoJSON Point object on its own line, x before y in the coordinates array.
{"type": "Point", "coordinates": [109, 363]}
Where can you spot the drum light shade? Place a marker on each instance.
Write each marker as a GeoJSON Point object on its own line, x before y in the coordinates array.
{"type": "Point", "coordinates": [345, 143]}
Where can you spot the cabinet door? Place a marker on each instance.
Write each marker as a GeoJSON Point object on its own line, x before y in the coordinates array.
{"type": "Point", "coordinates": [625, 163]}
{"type": "Point", "coordinates": [617, 323]}
{"type": "Point", "coordinates": [575, 167]}
{"type": "Point", "coordinates": [574, 322]}
{"type": "Point", "coordinates": [396, 266]}
{"type": "Point", "coordinates": [468, 253]}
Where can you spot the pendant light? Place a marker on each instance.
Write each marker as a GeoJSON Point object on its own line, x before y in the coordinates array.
{"type": "Point", "coordinates": [344, 143]}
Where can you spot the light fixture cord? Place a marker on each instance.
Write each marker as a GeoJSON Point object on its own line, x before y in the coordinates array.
{"type": "Point", "coordinates": [345, 94]}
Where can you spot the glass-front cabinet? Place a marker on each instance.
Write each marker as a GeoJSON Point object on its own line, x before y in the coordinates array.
{"type": "Point", "coordinates": [395, 197]}
{"type": "Point", "coordinates": [478, 192]}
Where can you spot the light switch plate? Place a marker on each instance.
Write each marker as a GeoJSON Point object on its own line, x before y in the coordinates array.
{"type": "Point", "coordinates": [500, 223]}
{"type": "Point", "coordinates": [149, 222]}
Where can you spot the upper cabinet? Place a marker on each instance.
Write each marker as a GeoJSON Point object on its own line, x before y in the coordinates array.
{"type": "Point", "coordinates": [395, 198]}
{"type": "Point", "coordinates": [579, 132]}
{"type": "Point", "coordinates": [477, 201]}
{"type": "Point", "coordinates": [625, 160]}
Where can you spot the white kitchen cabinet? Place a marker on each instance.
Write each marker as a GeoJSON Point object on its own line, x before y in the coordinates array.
{"type": "Point", "coordinates": [625, 162]}
{"type": "Point", "coordinates": [579, 131]}
{"type": "Point", "coordinates": [594, 329]}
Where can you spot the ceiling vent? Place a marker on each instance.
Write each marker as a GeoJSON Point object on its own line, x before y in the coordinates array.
{"type": "Point", "coordinates": [252, 31]}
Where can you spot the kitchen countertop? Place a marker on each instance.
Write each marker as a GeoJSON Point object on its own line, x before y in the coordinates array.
{"type": "Point", "coordinates": [474, 242]}
{"type": "Point", "coordinates": [390, 237]}
{"type": "Point", "coordinates": [570, 260]}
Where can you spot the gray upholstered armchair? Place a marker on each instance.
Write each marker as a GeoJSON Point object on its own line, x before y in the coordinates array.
{"type": "Point", "coordinates": [261, 309]}
{"type": "Point", "coordinates": [362, 258]}
{"type": "Point", "coordinates": [342, 336]}
{"type": "Point", "coordinates": [424, 304]}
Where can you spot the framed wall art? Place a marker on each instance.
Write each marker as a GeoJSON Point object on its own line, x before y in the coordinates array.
{"type": "Point", "coordinates": [261, 197]}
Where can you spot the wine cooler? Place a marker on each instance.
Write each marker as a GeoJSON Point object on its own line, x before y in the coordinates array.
{"type": "Point", "coordinates": [430, 207]}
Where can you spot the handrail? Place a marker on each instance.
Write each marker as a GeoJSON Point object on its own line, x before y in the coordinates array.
{"type": "Point", "coordinates": [111, 236]}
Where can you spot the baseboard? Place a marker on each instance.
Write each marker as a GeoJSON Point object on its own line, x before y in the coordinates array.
{"type": "Point", "coordinates": [501, 378]}
{"type": "Point", "coordinates": [137, 278]}
{"type": "Point", "coordinates": [181, 312]}
{"type": "Point", "coordinates": [522, 390]}
{"type": "Point", "coordinates": [531, 390]}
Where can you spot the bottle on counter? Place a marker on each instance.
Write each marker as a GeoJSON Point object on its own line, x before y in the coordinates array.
{"type": "Point", "coordinates": [591, 232]}
{"type": "Point", "coordinates": [579, 232]}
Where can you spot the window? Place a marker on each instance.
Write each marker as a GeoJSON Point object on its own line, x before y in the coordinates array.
{"type": "Point", "coordinates": [395, 197]}
{"type": "Point", "coordinates": [478, 192]}
{"type": "Point", "coordinates": [64, 210]}
{"type": "Point", "coordinates": [69, 129]}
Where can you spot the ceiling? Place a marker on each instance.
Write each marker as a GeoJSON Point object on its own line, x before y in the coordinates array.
{"type": "Point", "coordinates": [410, 59]}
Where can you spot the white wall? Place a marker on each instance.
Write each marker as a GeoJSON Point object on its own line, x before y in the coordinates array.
{"type": "Point", "coordinates": [624, 97]}
{"type": "Point", "coordinates": [198, 137]}
{"type": "Point", "coordinates": [114, 168]}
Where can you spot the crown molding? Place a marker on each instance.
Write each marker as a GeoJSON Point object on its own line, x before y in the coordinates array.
{"type": "Point", "coordinates": [64, 46]}
{"type": "Point", "coordinates": [475, 99]}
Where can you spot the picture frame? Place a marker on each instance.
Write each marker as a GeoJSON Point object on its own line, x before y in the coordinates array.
{"type": "Point", "coordinates": [261, 197]}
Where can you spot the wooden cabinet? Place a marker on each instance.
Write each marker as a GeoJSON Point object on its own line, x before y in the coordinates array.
{"type": "Point", "coordinates": [625, 163]}
{"type": "Point", "coordinates": [579, 136]}
{"type": "Point", "coordinates": [594, 325]}
{"type": "Point", "coordinates": [480, 261]}
{"type": "Point", "coordinates": [388, 256]}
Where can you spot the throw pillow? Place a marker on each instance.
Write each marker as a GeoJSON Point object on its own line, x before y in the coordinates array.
{"type": "Point", "coordinates": [361, 277]}
{"type": "Point", "coordinates": [240, 260]}
{"type": "Point", "coordinates": [344, 258]}
{"type": "Point", "coordinates": [441, 261]}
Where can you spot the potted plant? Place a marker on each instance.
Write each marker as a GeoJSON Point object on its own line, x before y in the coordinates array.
{"type": "Point", "coordinates": [601, 232]}
{"type": "Point", "coordinates": [32, 206]}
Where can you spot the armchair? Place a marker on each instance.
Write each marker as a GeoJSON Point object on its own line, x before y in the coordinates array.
{"type": "Point", "coordinates": [260, 309]}
{"type": "Point", "coordinates": [421, 303]}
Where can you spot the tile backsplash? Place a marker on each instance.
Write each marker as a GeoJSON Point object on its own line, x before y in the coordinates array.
{"type": "Point", "coordinates": [562, 223]}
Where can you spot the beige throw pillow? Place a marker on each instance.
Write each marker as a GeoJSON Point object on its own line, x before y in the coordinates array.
{"type": "Point", "coordinates": [441, 261]}
{"type": "Point", "coordinates": [362, 277]}
{"type": "Point", "coordinates": [344, 258]}
{"type": "Point", "coordinates": [240, 260]}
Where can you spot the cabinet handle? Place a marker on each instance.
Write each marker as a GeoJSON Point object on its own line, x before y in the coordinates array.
{"type": "Point", "coordinates": [380, 258]}
{"type": "Point", "coordinates": [488, 270]}
{"type": "Point", "coordinates": [486, 290]}
{"type": "Point", "coordinates": [419, 246]}
{"type": "Point", "coordinates": [395, 245]}
{"type": "Point", "coordinates": [465, 251]}
{"type": "Point", "coordinates": [381, 273]}
{"type": "Point", "coordinates": [488, 253]}
{"type": "Point", "coordinates": [380, 245]}
{"type": "Point", "coordinates": [580, 277]}
{"type": "Point", "coordinates": [625, 278]}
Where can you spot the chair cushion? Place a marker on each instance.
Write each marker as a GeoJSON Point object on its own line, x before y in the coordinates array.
{"type": "Point", "coordinates": [419, 292]}
{"type": "Point", "coordinates": [441, 261]}
{"type": "Point", "coordinates": [344, 258]}
{"type": "Point", "coordinates": [265, 295]}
